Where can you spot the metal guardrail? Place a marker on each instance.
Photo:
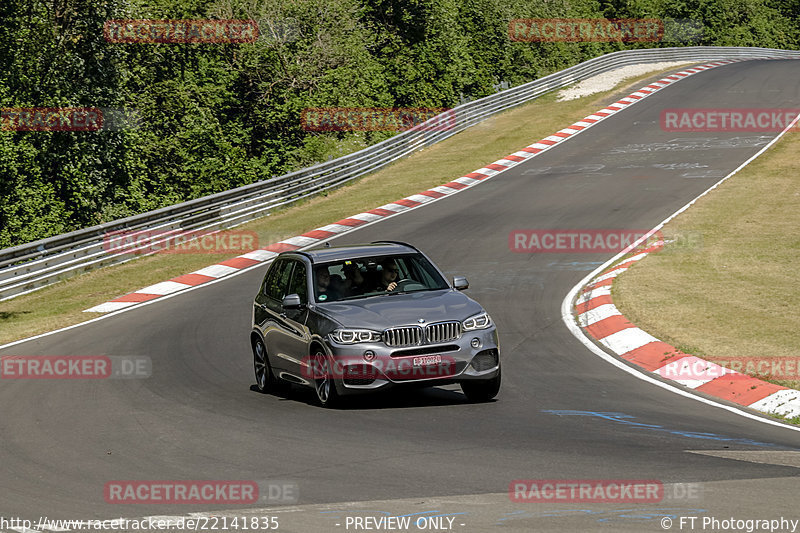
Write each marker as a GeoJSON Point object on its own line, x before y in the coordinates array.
{"type": "Point", "coordinates": [31, 266]}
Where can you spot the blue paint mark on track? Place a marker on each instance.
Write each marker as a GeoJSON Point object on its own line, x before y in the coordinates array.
{"type": "Point", "coordinates": [622, 418]}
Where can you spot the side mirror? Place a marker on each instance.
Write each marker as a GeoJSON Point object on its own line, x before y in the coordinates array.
{"type": "Point", "coordinates": [460, 283]}
{"type": "Point", "coordinates": [291, 301]}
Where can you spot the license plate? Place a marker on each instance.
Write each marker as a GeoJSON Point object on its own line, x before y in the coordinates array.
{"type": "Point", "coordinates": [427, 360]}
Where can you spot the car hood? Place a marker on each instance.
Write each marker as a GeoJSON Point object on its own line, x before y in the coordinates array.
{"type": "Point", "coordinates": [381, 312]}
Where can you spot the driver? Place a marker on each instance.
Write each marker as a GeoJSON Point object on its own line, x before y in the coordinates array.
{"type": "Point", "coordinates": [387, 280]}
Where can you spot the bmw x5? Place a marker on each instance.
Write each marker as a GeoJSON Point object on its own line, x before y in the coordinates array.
{"type": "Point", "coordinates": [358, 319]}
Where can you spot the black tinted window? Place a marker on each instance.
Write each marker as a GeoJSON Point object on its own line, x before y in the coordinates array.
{"type": "Point", "coordinates": [299, 286]}
{"type": "Point", "coordinates": [277, 281]}
{"type": "Point", "coordinates": [355, 278]}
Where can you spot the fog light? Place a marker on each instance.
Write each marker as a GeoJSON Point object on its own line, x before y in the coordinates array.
{"type": "Point", "coordinates": [475, 343]}
{"type": "Point", "coordinates": [369, 355]}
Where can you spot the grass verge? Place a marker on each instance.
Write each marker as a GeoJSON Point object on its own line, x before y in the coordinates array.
{"type": "Point", "coordinates": [61, 305]}
{"type": "Point", "coordinates": [734, 292]}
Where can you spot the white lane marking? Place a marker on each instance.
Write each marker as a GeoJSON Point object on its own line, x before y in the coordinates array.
{"type": "Point", "coordinates": [636, 257]}
{"type": "Point", "coordinates": [488, 171]}
{"type": "Point", "coordinates": [444, 190]}
{"type": "Point", "coordinates": [605, 290]}
{"type": "Point", "coordinates": [611, 274]}
{"type": "Point", "coordinates": [367, 217]}
{"type": "Point", "coordinates": [569, 321]}
{"type": "Point", "coordinates": [397, 208]}
{"type": "Point", "coordinates": [259, 255]}
{"type": "Point", "coordinates": [334, 228]}
{"type": "Point", "coordinates": [625, 340]}
{"type": "Point", "coordinates": [216, 271]}
{"type": "Point", "coordinates": [601, 312]}
{"type": "Point", "coordinates": [785, 402]}
{"type": "Point", "coordinates": [467, 181]}
{"type": "Point", "coordinates": [300, 241]}
{"type": "Point", "coordinates": [164, 287]}
{"type": "Point", "coordinates": [539, 146]}
{"type": "Point", "coordinates": [700, 370]}
{"type": "Point", "coordinates": [421, 198]}
{"type": "Point", "coordinates": [109, 307]}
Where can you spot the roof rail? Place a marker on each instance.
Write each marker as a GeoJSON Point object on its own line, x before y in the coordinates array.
{"type": "Point", "coordinates": [396, 242]}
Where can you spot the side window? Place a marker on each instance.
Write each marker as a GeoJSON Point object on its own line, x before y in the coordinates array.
{"type": "Point", "coordinates": [299, 285]}
{"type": "Point", "coordinates": [278, 280]}
{"type": "Point", "coordinates": [270, 277]}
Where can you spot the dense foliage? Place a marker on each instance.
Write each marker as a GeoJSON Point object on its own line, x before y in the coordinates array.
{"type": "Point", "coordinates": [210, 117]}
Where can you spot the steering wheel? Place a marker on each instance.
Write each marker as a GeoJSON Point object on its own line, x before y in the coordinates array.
{"type": "Point", "coordinates": [404, 280]}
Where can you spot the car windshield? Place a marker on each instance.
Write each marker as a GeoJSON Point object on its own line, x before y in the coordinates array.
{"type": "Point", "coordinates": [375, 276]}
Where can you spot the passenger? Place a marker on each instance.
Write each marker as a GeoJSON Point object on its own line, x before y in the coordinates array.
{"type": "Point", "coordinates": [323, 284]}
{"type": "Point", "coordinates": [354, 281]}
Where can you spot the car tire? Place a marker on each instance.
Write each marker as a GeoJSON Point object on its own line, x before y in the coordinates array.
{"type": "Point", "coordinates": [481, 391]}
{"type": "Point", "coordinates": [324, 384]}
{"type": "Point", "coordinates": [265, 379]}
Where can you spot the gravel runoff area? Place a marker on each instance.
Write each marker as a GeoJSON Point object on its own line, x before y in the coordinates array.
{"type": "Point", "coordinates": [608, 80]}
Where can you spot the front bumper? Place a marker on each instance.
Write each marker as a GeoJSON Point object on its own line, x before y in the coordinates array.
{"type": "Point", "coordinates": [423, 365]}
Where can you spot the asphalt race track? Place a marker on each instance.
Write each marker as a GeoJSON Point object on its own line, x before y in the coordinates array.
{"type": "Point", "coordinates": [199, 418]}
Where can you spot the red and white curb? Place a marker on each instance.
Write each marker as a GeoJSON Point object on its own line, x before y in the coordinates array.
{"type": "Point", "coordinates": [315, 236]}
{"type": "Point", "coordinates": [600, 318]}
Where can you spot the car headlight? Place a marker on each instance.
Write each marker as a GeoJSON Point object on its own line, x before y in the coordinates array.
{"type": "Point", "coordinates": [354, 336]}
{"type": "Point", "coordinates": [479, 321]}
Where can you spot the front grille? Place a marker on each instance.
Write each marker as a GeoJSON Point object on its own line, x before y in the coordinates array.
{"type": "Point", "coordinates": [485, 360]}
{"type": "Point", "coordinates": [443, 332]}
{"type": "Point", "coordinates": [407, 336]}
{"type": "Point", "coordinates": [359, 381]}
{"type": "Point", "coordinates": [359, 374]}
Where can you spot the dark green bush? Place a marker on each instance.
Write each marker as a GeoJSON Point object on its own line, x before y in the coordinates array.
{"type": "Point", "coordinates": [211, 117]}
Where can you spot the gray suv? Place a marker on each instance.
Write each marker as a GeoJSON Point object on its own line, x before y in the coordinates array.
{"type": "Point", "coordinates": [356, 319]}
